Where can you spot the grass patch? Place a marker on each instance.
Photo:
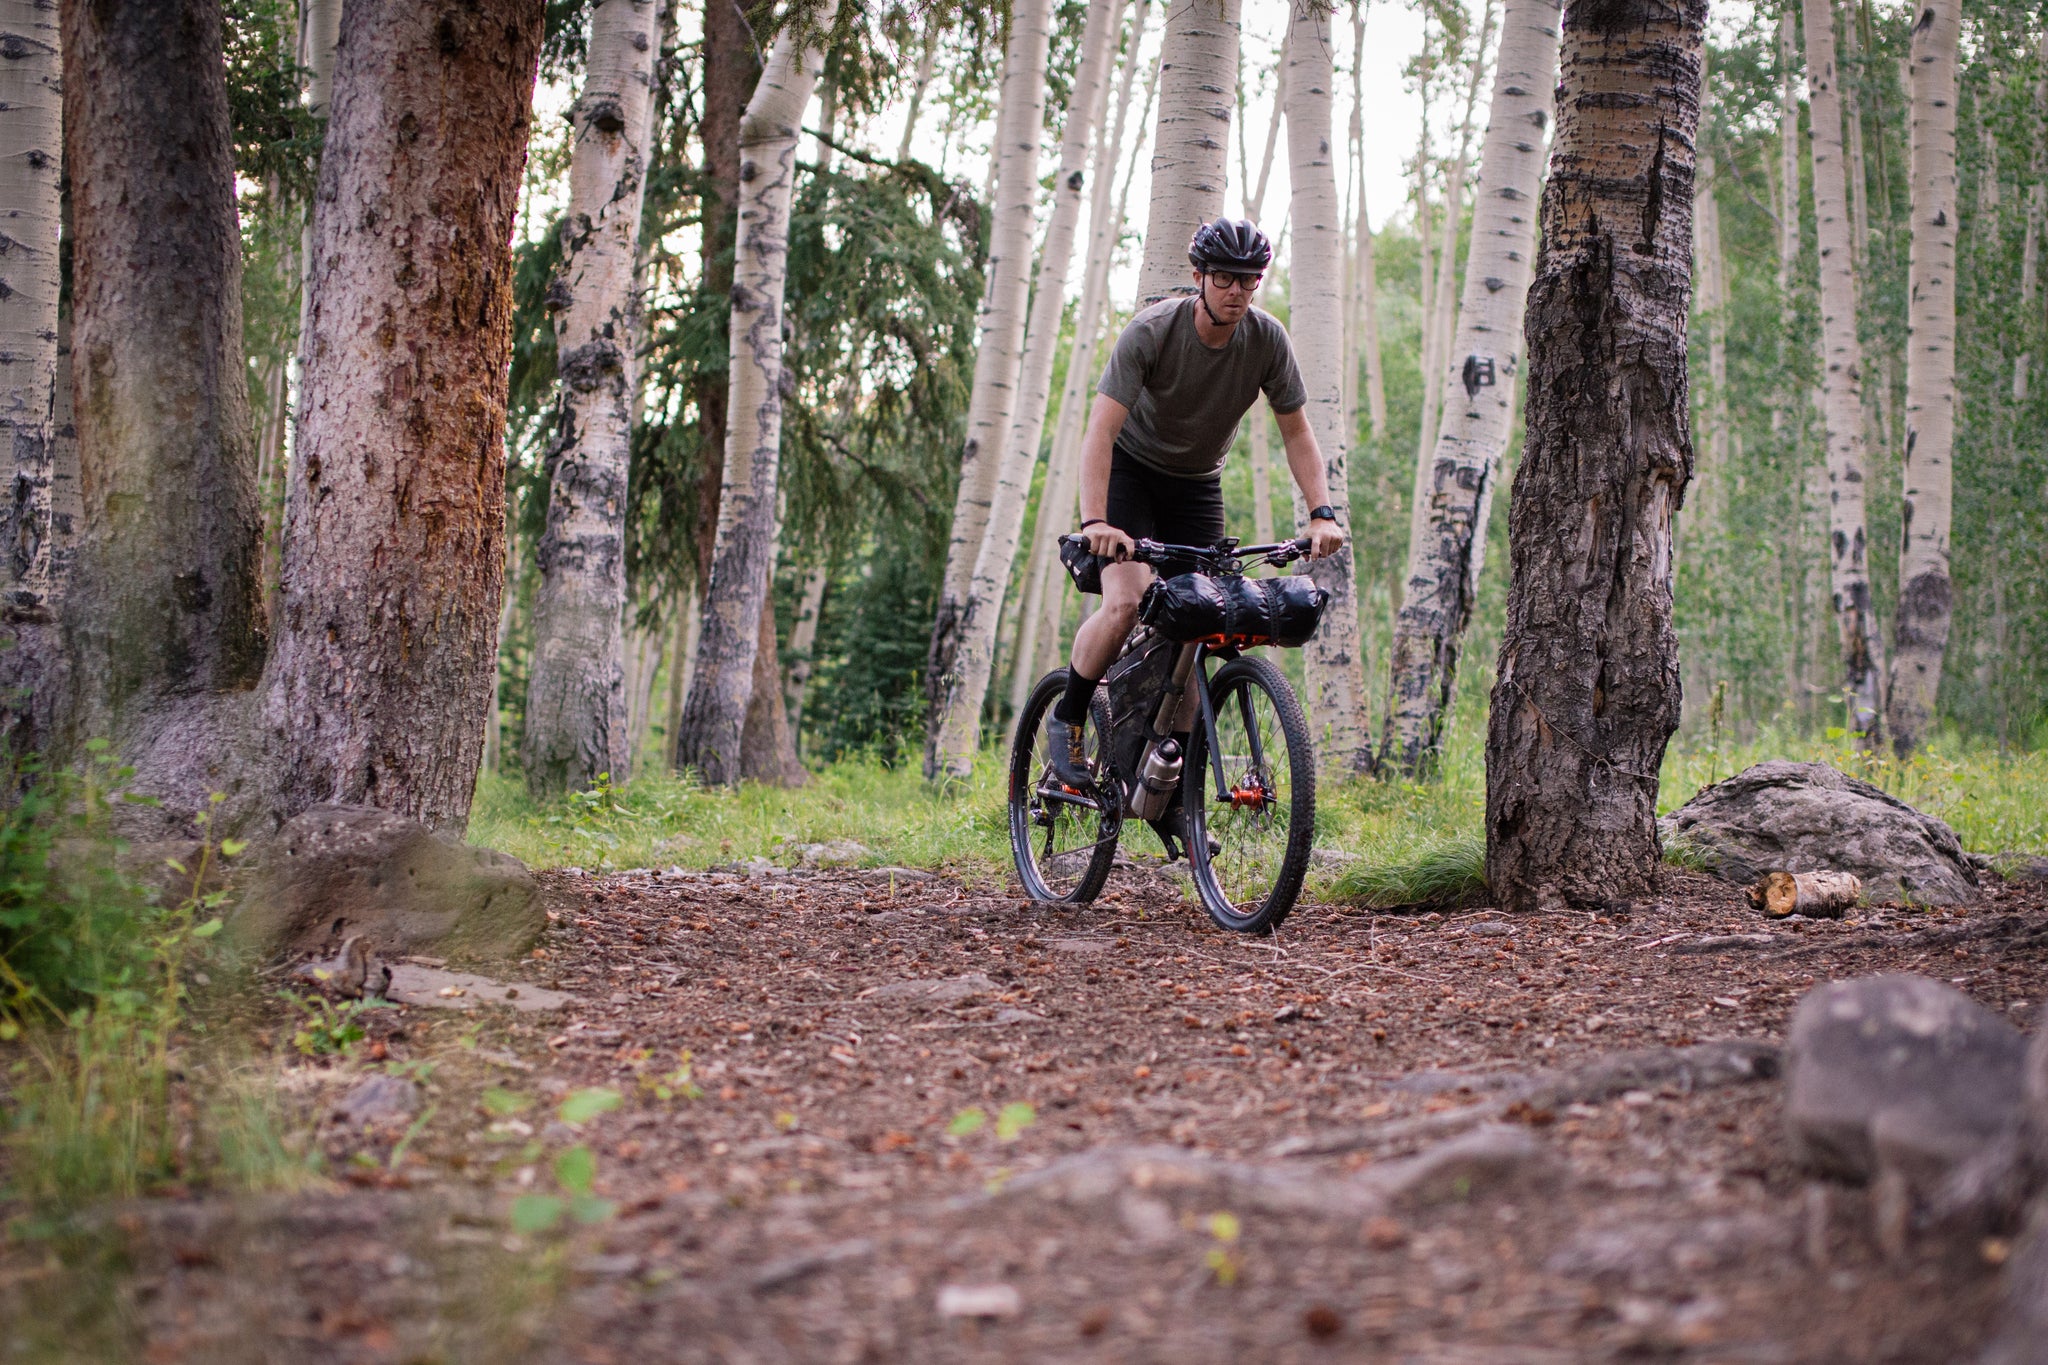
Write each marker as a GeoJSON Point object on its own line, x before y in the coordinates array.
{"type": "Point", "coordinates": [1393, 843]}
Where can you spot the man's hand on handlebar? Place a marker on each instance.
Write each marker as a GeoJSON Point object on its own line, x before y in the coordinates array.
{"type": "Point", "coordinates": [1324, 538]}
{"type": "Point", "coordinates": [1105, 540]}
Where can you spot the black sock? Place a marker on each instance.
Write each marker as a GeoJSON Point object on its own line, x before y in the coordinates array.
{"type": "Point", "coordinates": [1073, 706]}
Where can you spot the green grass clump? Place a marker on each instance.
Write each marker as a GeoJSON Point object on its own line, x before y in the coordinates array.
{"type": "Point", "coordinates": [1438, 872]}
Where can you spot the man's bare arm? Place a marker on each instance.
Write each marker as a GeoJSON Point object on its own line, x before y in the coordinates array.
{"type": "Point", "coordinates": [1305, 462]}
{"type": "Point", "coordinates": [1098, 447]}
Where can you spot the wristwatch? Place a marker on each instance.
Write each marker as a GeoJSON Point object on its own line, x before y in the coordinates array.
{"type": "Point", "coordinates": [1323, 513]}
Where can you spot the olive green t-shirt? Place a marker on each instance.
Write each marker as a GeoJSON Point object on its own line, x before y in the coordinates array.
{"type": "Point", "coordinates": [1186, 398]}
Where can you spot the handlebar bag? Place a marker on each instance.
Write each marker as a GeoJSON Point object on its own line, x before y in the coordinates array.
{"type": "Point", "coordinates": [1083, 565]}
{"type": "Point", "coordinates": [1239, 612]}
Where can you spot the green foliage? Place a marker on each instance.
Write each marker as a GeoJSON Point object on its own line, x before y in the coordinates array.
{"type": "Point", "coordinates": [107, 1096]}
{"type": "Point", "coordinates": [329, 1028]}
{"type": "Point", "coordinates": [277, 138]}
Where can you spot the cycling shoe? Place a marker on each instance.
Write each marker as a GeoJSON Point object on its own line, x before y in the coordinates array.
{"type": "Point", "coordinates": [1069, 753]}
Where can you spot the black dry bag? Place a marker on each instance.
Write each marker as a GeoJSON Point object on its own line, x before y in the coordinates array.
{"type": "Point", "coordinates": [1238, 612]}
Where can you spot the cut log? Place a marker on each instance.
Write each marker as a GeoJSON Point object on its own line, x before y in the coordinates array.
{"type": "Point", "coordinates": [1817, 895]}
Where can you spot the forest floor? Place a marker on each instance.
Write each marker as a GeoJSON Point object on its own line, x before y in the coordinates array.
{"type": "Point", "coordinates": [888, 1115]}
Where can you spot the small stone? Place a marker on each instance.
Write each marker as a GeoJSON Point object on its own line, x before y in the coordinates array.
{"type": "Point", "coordinates": [378, 1100]}
{"type": "Point", "coordinates": [979, 1301]}
{"type": "Point", "coordinates": [1095, 1322]}
{"type": "Point", "coordinates": [1460, 1168]}
{"type": "Point", "coordinates": [1322, 1321]}
{"type": "Point", "coordinates": [1490, 928]}
{"type": "Point", "coordinates": [1384, 1234]}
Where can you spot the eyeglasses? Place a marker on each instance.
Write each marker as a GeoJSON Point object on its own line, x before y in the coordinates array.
{"type": "Point", "coordinates": [1227, 279]}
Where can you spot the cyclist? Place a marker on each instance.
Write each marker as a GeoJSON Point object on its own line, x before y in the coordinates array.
{"type": "Point", "coordinates": [1181, 377]}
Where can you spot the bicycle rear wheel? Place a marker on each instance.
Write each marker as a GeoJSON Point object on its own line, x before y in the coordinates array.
{"type": "Point", "coordinates": [1248, 848]}
{"type": "Point", "coordinates": [1063, 840]}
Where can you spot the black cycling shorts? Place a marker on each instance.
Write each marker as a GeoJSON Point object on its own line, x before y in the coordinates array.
{"type": "Point", "coordinates": [1147, 505]}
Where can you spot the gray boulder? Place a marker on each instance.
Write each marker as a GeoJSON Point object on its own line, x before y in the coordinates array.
{"type": "Point", "coordinates": [1808, 817]}
{"type": "Point", "coordinates": [338, 871]}
{"type": "Point", "coordinates": [1898, 1073]}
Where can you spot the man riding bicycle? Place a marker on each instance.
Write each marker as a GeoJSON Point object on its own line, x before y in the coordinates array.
{"type": "Point", "coordinates": [1181, 377]}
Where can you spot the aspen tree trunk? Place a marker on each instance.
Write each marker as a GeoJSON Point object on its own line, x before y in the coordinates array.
{"type": "Point", "coordinates": [1852, 148]}
{"type": "Point", "coordinates": [1354, 191]}
{"type": "Point", "coordinates": [927, 57]}
{"type": "Point", "coordinates": [164, 620]}
{"type": "Point", "coordinates": [966, 688]}
{"type": "Point", "coordinates": [32, 131]}
{"type": "Point", "coordinates": [577, 726]}
{"type": "Point", "coordinates": [1191, 145]}
{"type": "Point", "coordinates": [2030, 247]}
{"type": "Point", "coordinates": [1365, 272]}
{"type": "Point", "coordinates": [1784, 419]}
{"type": "Point", "coordinates": [1925, 594]}
{"type": "Point", "coordinates": [682, 658]}
{"type": "Point", "coordinates": [1711, 473]}
{"type": "Point", "coordinates": [803, 643]}
{"type": "Point", "coordinates": [1257, 418]}
{"type": "Point", "coordinates": [737, 612]}
{"type": "Point", "coordinates": [992, 400]}
{"type": "Point", "coordinates": [1336, 674]}
{"type": "Point", "coordinates": [1478, 394]}
{"type": "Point", "coordinates": [494, 719]}
{"type": "Point", "coordinates": [394, 523]}
{"type": "Point", "coordinates": [1588, 689]}
{"type": "Point", "coordinates": [1082, 374]}
{"type": "Point", "coordinates": [1056, 502]}
{"type": "Point", "coordinates": [1841, 381]}
{"type": "Point", "coordinates": [1439, 321]}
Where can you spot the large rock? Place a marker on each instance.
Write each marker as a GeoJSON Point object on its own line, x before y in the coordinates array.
{"type": "Point", "coordinates": [1807, 817]}
{"type": "Point", "coordinates": [337, 871]}
{"type": "Point", "coordinates": [1898, 1073]}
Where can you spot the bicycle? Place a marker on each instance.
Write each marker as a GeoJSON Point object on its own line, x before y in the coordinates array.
{"type": "Point", "coordinates": [1156, 740]}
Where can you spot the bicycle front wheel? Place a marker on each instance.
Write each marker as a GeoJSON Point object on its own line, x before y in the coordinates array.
{"type": "Point", "coordinates": [1249, 840]}
{"type": "Point", "coordinates": [1063, 840]}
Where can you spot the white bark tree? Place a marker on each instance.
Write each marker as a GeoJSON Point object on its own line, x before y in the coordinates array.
{"type": "Point", "coordinates": [1191, 145]}
{"type": "Point", "coordinates": [1336, 675]}
{"type": "Point", "coordinates": [577, 711]}
{"type": "Point", "coordinates": [1259, 419]}
{"type": "Point", "coordinates": [1081, 378]}
{"type": "Point", "coordinates": [1365, 307]}
{"type": "Point", "coordinates": [1841, 379]}
{"type": "Point", "coordinates": [1792, 394]}
{"type": "Point", "coordinates": [992, 398]}
{"type": "Point", "coordinates": [1477, 383]}
{"type": "Point", "coordinates": [1040, 616]}
{"type": "Point", "coordinates": [1439, 320]}
{"type": "Point", "coordinates": [959, 721]}
{"type": "Point", "coordinates": [1920, 635]}
{"type": "Point", "coordinates": [724, 677]}
{"type": "Point", "coordinates": [32, 131]}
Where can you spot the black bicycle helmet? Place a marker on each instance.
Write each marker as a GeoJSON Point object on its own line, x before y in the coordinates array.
{"type": "Point", "coordinates": [1229, 244]}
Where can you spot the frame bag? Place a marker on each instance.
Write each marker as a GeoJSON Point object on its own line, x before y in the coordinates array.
{"type": "Point", "coordinates": [1240, 613]}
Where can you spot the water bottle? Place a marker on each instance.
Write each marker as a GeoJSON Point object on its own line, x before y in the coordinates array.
{"type": "Point", "coordinates": [1157, 779]}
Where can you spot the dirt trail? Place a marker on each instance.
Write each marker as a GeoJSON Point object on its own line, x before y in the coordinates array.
{"type": "Point", "coordinates": [1430, 1138]}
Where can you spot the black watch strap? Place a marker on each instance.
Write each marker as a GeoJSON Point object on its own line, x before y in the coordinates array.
{"type": "Point", "coordinates": [1323, 513]}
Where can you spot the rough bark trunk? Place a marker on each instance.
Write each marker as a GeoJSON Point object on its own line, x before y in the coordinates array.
{"type": "Point", "coordinates": [1336, 674]}
{"type": "Point", "coordinates": [966, 685]}
{"type": "Point", "coordinates": [1841, 381]}
{"type": "Point", "coordinates": [1056, 502]}
{"type": "Point", "coordinates": [1478, 388]}
{"type": "Point", "coordinates": [735, 615]}
{"type": "Point", "coordinates": [394, 523]}
{"type": "Point", "coordinates": [993, 397]}
{"type": "Point", "coordinates": [576, 705]}
{"type": "Point", "coordinates": [767, 740]}
{"type": "Point", "coordinates": [1921, 632]}
{"type": "Point", "coordinates": [1588, 689]}
{"type": "Point", "coordinates": [1191, 144]}
{"type": "Point", "coordinates": [165, 620]}
{"type": "Point", "coordinates": [32, 127]}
